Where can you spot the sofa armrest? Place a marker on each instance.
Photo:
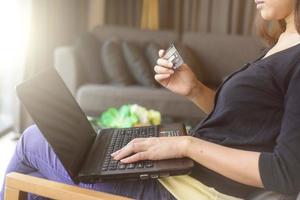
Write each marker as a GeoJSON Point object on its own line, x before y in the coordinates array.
{"type": "Point", "coordinates": [270, 195]}
{"type": "Point", "coordinates": [96, 98]}
{"type": "Point", "coordinates": [18, 185]}
{"type": "Point", "coordinates": [67, 65]}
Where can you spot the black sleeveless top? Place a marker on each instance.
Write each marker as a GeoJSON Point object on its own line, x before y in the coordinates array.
{"type": "Point", "coordinates": [257, 108]}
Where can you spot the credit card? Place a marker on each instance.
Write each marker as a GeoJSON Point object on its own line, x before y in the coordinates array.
{"type": "Point", "coordinates": [172, 55]}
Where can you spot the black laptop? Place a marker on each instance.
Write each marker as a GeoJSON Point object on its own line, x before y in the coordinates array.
{"type": "Point", "coordinates": [84, 153]}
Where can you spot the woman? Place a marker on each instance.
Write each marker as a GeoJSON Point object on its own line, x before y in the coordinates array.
{"type": "Point", "coordinates": [250, 139]}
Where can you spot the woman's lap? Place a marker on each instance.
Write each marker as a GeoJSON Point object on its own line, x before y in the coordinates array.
{"type": "Point", "coordinates": [34, 156]}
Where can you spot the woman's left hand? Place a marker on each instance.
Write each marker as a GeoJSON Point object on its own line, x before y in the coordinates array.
{"type": "Point", "coordinates": [155, 148]}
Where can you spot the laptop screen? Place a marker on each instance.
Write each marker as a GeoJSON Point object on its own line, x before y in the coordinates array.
{"type": "Point", "coordinates": [59, 117]}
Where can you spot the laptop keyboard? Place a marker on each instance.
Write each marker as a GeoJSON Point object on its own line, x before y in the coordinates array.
{"type": "Point", "coordinates": [120, 138]}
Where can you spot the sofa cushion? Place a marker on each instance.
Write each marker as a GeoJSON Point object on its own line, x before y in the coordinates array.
{"type": "Point", "coordinates": [138, 65]}
{"type": "Point", "coordinates": [151, 52]}
{"type": "Point", "coordinates": [114, 63]}
{"type": "Point", "coordinates": [95, 99]}
{"type": "Point", "coordinates": [87, 48]}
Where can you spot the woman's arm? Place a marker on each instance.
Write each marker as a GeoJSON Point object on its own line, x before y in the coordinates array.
{"type": "Point", "coordinates": [238, 165]}
{"type": "Point", "coordinates": [203, 97]}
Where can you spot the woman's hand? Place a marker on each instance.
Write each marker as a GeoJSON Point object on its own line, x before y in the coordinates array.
{"type": "Point", "coordinates": [155, 148]}
{"type": "Point", "coordinates": [182, 81]}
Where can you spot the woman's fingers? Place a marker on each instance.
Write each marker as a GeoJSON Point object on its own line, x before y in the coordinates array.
{"type": "Point", "coordinates": [161, 53]}
{"type": "Point", "coordinates": [115, 153]}
{"type": "Point", "coordinates": [162, 70]}
{"type": "Point", "coordinates": [161, 77]}
{"type": "Point", "coordinates": [164, 63]}
{"type": "Point", "coordinates": [135, 157]}
{"type": "Point", "coordinates": [136, 145]}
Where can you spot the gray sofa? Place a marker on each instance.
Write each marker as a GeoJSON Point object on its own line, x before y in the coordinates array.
{"type": "Point", "coordinates": [219, 55]}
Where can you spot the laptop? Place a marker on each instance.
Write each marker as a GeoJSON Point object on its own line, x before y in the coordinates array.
{"type": "Point", "coordinates": [83, 152]}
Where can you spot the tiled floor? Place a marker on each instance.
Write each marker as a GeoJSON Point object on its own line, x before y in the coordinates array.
{"type": "Point", "coordinates": [7, 147]}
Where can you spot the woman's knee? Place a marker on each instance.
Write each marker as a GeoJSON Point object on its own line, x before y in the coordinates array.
{"type": "Point", "coordinates": [31, 140]}
{"type": "Point", "coordinates": [34, 151]}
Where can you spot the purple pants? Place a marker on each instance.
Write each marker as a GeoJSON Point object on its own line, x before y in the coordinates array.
{"type": "Point", "coordinates": [33, 156]}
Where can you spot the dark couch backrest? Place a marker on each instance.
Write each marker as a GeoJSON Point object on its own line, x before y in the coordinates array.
{"type": "Point", "coordinates": [219, 54]}
{"type": "Point", "coordinates": [222, 54]}
{"type": "Point", "coordinates": [136, 35]}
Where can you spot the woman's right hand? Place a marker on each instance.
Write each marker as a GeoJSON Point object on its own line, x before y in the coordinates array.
{"type": "Point", "coordinates": [181, 81]}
